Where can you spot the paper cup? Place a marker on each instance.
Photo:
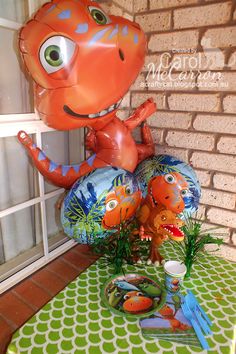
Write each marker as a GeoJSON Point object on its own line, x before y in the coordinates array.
{"type": "Point", "coordinates": [174, 275]}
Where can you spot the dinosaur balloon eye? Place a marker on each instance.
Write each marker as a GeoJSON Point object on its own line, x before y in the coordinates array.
{"type": "Point", "coordinates": [53, 56]}
{"type": "Point", "coordinates": [111, 204]}
{"type": "Point", "coordinates": [169, 178]}
{"type": "Point", "coordinates": [55, 53]}
{"type": "Point", "coordinates": [99, 16]}
{"type": "Point", "coordinates": [128, 190]}
{"type": "Point", "coordinates": [126, 297]}
{"type": "Point", "coordinates": [184, 192]}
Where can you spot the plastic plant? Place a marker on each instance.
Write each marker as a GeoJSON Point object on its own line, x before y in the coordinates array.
{"type": "Point", "coordinates": [123, 247]}
{"type": "Point", "coordinates": [192, 248]}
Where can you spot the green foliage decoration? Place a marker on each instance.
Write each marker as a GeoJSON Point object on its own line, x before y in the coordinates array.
{"type": "Point", "coordinates": [122, 247]}
{"type": "Point", "coordinates": [192, 248]}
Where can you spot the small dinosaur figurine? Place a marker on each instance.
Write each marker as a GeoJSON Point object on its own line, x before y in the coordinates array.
{"type": "Point", "coordinates": [83, 62]}
{"type": "Point", "coordinates": [158, 214]}
{"type": "Point", "coordinates": [159, 226]}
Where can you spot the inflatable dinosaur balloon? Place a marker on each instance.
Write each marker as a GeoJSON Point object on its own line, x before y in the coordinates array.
{"type": "Point", "coordinates": [83, 62]}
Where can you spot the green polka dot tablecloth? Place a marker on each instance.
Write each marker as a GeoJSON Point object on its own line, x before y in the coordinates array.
{"type": "Point", "coordinates": [76, 321]}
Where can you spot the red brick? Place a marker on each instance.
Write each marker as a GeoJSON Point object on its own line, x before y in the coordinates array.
{"type": "Point", "coordinates": [50, 281]}
{"type": "Point", "coordinates": [85, 251]}
{"type": "Point", "coordinates": [63, 270]}
{"type": "Point", "coordinates": [32, 293]}
{"type": "Point", "coordinates": [5, 335]}
{"type": "Point", "coordinates": [14, 309]}
{"type": "Point", "coordinates": [78, 260]}
{"type": "Point", "coordinates": [82, 248]}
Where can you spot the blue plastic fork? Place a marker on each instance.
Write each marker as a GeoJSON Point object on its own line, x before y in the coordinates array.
{"type": "Point", "coordinates": [193, 306]}
{"type": "Point", "coordinates": [199, 307]}
{"type": "Point", "coordinates": [189, 315]}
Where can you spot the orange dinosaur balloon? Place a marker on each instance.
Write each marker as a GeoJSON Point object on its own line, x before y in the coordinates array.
{"type": "Point", "coordinates": [83, 62]}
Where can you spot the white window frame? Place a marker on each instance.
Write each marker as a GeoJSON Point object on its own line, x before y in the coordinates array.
{"type": "Point", "coordinates": [10, 125]}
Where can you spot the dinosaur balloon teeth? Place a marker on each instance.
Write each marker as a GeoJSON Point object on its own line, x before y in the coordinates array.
{"type": "Point", "coordinates": [102, 113]}
{"type": "Point", "coordinates": [173, 230]}
{"type": "Point", "coordinates": [105, 111]}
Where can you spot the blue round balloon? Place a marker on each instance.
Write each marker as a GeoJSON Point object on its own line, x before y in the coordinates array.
{"type": "Point", "coordinates": [165, 164]}
{"type": "Point", "coordinates": [97, 203]}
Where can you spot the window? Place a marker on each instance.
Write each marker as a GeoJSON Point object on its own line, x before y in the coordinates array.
{"type": "Point", "coordinates": [30, 229]}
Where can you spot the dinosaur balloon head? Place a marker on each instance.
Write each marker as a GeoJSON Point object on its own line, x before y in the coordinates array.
{"type": "Point", "coordinates": [169, 190]}
{"type": "Point", "coordinates": [82, 62]}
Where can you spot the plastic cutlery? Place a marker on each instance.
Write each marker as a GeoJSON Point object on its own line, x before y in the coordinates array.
{"type": "Point", "coordinates": [193, 306]}
{"type": "Point", "coordinates": [189, 315]}
{"type": "Point", "coordinates": [192, 296]}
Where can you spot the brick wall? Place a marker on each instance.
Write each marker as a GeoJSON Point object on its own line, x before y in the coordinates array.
{"type": "Point", "coordinates": [196, 117]}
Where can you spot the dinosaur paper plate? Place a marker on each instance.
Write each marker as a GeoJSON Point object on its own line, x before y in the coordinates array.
{"type": "Point", "coordinates": [133, 295]}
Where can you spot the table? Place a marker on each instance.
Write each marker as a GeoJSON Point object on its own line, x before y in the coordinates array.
{"type": "Point", "coordinates": [76, 322]}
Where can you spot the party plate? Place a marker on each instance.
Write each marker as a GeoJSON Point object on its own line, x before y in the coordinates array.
{"type": "Point", "coordinates": [133, 295]}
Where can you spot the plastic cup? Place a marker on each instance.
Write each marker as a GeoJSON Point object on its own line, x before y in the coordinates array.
{"type": "Point", "coordinates": [174, 275]}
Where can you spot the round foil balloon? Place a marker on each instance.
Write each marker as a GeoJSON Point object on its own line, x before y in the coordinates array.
{"type": "Point", "coordinates": [170, 182]}
{"type": "Point", "coordinates": [98, 202]}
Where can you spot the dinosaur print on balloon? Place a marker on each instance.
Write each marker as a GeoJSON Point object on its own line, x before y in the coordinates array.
{"type": "Point", "coordinates": [169, 187]}
{"type": "Point", "coordinates": [158, 214]}
{"type": "Point", "coordinates": [83, 62]}
{"type": "Point", "coordinates": [98, 202]}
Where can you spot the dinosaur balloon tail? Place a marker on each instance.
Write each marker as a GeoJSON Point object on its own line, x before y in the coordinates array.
{"type": "Point", "coordinates": [61, 175]}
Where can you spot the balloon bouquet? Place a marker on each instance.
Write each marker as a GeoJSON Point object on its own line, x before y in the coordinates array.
{"type": "Point", "coordinates": [83, 62]}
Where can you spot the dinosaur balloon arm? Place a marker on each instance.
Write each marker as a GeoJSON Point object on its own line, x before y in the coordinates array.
{"type": "Point", "coordinates": [141, 114]}
{"type": "Point", "coordinates": [91, 141]}
{"type": "Point", "coordinates": [60, 175]}
{"type": "Point", "coordinates": [147, 148]}
{"type": "Point", "coordinates": [146, 135]}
